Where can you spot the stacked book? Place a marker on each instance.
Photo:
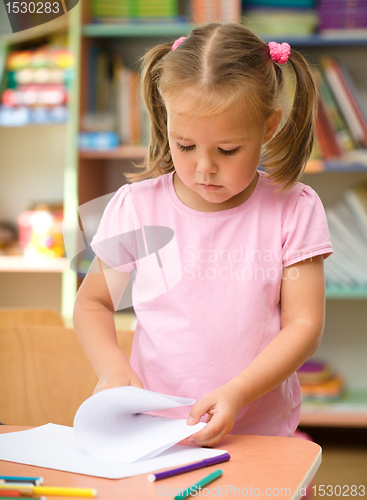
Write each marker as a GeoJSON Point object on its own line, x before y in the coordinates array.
{"type": "Point", "coordinates": [35, 87]}
{"type": "Point", "coordinates": [319, 382]}
{"type": "Point", "coordinates": [129, 11]}
{"type": "Point", "coordinates": [342, 113]}
{"type": "Point", "coordinates": [116, 113]}
{"type": "Point", "coordinates": [338, 15]}
{"type": "Point", "coordinates": [347, 221]}
{"type": "Point", "coordinates": [280, 17]}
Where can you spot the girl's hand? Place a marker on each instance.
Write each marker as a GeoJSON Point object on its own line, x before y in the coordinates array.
{"type": "Point", "coordinates": [111, 379]}
{"type": "Point", "coordinates": [222, 406]}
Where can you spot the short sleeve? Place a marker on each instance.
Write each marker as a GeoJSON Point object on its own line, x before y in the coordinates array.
{"type": "Point", "coordinates": [118, 241]}
{"type": "Point", "coordinates": [305, 229]}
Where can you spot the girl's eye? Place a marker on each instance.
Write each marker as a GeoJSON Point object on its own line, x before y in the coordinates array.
{"type": "Point", "coordinates": [230, 152]}
{"type": "Point", "coordinates": [224, 152]}
{"type": "Point", "coordinates": [185, 148]}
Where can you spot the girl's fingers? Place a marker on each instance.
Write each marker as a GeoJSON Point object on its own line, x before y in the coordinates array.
{"type": "Point", "coordinates": [211, 434]}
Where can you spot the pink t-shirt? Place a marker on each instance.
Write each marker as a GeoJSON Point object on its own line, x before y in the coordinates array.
{"type": "Point", "coordinates": [206, 290]}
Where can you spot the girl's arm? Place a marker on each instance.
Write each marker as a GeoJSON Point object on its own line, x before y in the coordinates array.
{"type": "Point", "coordinates": [95, 327]}
{"type": "Point", "coordinates": [302, 322]}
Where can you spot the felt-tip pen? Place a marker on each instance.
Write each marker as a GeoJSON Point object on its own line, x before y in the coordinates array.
{"type": "Point", "coordinates": [193, 489]}
{"type": "Point", "coordinates": [207, 462]}
{"type": "Point", "coordinates": [22, 479]}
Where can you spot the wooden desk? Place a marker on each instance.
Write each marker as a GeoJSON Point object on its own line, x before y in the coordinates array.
{"type": "Point", "coordinates": [263, 465]}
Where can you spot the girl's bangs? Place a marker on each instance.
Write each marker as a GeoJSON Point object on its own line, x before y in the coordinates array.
{"type": "Point", "coordinates": [209, 102]}
{"type": "Point", "coordinates": [200, 102]}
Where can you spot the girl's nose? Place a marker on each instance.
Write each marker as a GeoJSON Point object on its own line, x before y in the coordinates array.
{"type": "Point", "coordinates": [206, 166]}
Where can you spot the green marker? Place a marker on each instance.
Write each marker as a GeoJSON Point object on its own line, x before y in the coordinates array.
{"type": "Point", "coordinates": [195, 487]}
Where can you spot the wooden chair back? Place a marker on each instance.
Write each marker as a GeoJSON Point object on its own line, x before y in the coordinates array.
{"type": "Point", "coordinates": [13, 316]}
{"type": "Point", "coordinates": [44, 374]}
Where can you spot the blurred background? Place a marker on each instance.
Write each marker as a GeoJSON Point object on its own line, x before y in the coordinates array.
{"type": "Point", "coordinates": [72, 122]}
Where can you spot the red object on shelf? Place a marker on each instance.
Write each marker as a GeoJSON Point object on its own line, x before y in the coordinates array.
{"type": "Point", "coordinates": [35, 95]}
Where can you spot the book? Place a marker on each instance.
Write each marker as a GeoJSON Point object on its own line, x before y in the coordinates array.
{"type": "Point", "coordinates": [280, 22]}
{"type": "Point", "coordinates": [342, 15]}
{"type": "Point", "coordinates": [347, 228]}
{"type": "Point", "coordinates": [331, 110]}
{"type": "Point", "coordinates": [330, 390]}
{"type": "Point", "coordinates": [326, 134]}
{"type": "Point", "coordinates": [111, 437]}
{"type": "Point", "coordinates": [206, 11]}
{"type": "Point", "coordinates": [345, 252]}
{"type": "Point", "coordinates": [35, 86]}
{"type": "Point", "coordinates": [134, 9]}
{"type": "Point", "coordinates": [356, 199]}
{"type": "Point", "coordinates": [356, 92]}
{"type": "Point", "coordinates": [319, 382]}
{"type": "Point", "coordinates": [352, 96]}
{"type": "Point", "coordinates": [115, 104]}
{"type": "Point", "coordinates": [314, 372]}
{"type": "Point", "coordinates": [347, 222]}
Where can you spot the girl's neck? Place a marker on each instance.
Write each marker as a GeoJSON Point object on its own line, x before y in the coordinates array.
{"type": "Point", "coordinates": [194, 201]}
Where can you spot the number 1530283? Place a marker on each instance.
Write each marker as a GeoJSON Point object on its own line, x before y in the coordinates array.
{"type": "Point", "coordinates": [328, 490]}
{"type": "Point", "coordinates": [33, 7]}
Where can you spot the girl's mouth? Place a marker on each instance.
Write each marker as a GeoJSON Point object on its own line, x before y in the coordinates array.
{"type": "Point", "coordinates": [209, 187]}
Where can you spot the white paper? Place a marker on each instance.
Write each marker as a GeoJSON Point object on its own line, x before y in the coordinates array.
{"type": "Point", "coordinates": [111, 437]}
{"type": "Point", "coordinates": [55, 447]}
{"type": "Point", "coordinates": [111, 425]}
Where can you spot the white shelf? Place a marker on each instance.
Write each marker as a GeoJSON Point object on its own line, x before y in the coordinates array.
{"type": "Point", "coordinates": [349, 411]}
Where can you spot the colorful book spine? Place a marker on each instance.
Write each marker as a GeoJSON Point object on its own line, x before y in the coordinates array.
{"type": "Point", "coordinates": [134, 9]}
{"type": "Point", "coordinates": [35, 86]}
{"type": "Point", "coordinates": [352, 100]}
{"type": "Point", "coordinates": [356, 199]}
{"type": "Point", "coordinates": [357, 94]}
{"type": "Point", "coordinates": [342, 14]}
{"type": "Point", "coordinates": [206, 11]}
{"type": "Point", "coordinates": [319, 382]}
{"type": "Point", "coordinates": [115, 104]}
{"type": "Point", "coordinates": [337, 123]}
{"type": "Point", "coordinates": [326, 135]}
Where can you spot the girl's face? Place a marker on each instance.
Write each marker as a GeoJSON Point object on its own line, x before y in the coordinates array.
{"type": "Point", "coordinates": [216, 157]}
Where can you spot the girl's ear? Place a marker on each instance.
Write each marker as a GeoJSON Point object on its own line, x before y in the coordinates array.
{"type": "Point", "coordinates": [272, 124]}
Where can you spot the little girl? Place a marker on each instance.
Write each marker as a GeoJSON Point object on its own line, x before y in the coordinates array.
{"type": "Point", "coordinates": [234, 304]}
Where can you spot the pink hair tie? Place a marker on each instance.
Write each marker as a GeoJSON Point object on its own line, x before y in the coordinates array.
{"type": "Point", "coordinates": [178, 42]}
{"type": "Point", "coordinates": [279, 52]}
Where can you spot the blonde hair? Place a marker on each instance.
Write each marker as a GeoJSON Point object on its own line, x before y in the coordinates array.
{"type": "Point", "coordinates": [215, 66]}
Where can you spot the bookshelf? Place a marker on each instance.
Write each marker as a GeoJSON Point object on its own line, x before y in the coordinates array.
{"type": "Point", "coordinates": [90, 174]}
{"type": "Point", "coordinates": [125, 152]}
{"type": "Point", "coordinates": [136, 30]}
{"type": "Point", "coordinates": [43, 168]}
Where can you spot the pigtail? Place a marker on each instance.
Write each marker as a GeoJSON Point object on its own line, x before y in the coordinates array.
{"type": "Point", "coordinates": [286, 154]}
{"type": "Point", "coordinates": [158, 149]}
